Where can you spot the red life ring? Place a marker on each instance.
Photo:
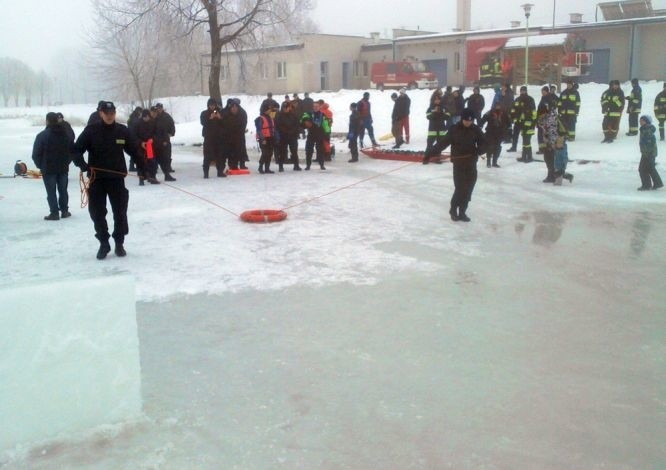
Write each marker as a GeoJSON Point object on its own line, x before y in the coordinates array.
{"type": "Point", "coordinates": [263, 216]}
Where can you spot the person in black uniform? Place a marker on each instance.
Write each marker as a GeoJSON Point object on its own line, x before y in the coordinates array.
{"type": "Point", "coordinates": [106, 142]}
{"type": "Point", "coordinates": [132, 124]}
{"type": "Point", "coordinates": [288, 129]}
{"type": "Point", "coordinates": [94, 116]}
{"type": "Point", "coordinates": [211, 130]}
{"type": "Point", "coordinates": [165, 128]}
{"type": "Point", "coordinates": [634, 105]}
{"type": "Point", "coordinates": [145, 130]}
{"type": "Point", "coordinates": [233, 135]}
{"type": "Point", "coordinates": [467, 143]}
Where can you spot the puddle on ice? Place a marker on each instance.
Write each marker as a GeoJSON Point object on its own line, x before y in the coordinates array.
{"type": "Point", "coordinates": [543, 350]}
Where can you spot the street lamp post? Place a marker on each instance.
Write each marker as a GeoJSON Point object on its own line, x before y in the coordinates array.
{"type": "Point", "coordinates": [528, 8]}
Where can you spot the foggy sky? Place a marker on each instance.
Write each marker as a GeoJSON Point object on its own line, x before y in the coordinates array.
{"type": "Point", "coordinates": [35, 30]}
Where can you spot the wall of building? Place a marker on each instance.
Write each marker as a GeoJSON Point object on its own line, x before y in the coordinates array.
{"type": "Point", "coordinates": [649, 57]}
{"type": "Point", "coordinates": [617, 39]}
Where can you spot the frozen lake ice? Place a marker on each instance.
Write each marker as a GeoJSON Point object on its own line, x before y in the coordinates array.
{"type": "Point", "coordinates": [368, 330]}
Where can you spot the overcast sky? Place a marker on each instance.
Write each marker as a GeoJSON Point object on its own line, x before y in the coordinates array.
{"type": "Point", "coordinates": [34, 30]}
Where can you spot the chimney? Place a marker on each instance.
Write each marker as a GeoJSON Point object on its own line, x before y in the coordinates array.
{"type": "Point", "coordinates": [515, 24]}
{"type": "Point", "coordinates": [464, 15]}
{"type": "Point", "coordinates": [375, 37]}
{"type": "Point", "coordinates": [575, 18]}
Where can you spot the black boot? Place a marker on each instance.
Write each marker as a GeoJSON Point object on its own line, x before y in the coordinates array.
{"type": "Point", "coordinates": [522, 158]}
{"type": "Point", "coordinates": [261, 169]}
{"type": "Point", "coordinates": [104, 249]}
{"type": "Point", "coordinates": [528, 156]}
{"type": "Point", "coordinates": [297, 167]}
{"type": "Point", "coordinates": [52, 216]}
{"type": "Point", "coordinates": [120, 250]}
{"type": "Point", "coordinates": [661, 134]}
{"type": "Point", "coordinates": [168, 177]}
{"type": "Point", "coordinates": [268, 169]}
{"type": "Point", "coordinates": [206, 170]}
{"type": "Point", "coordinates": [280, 168]}
{"type": "Point", "coordinates": [568, 177]}
{"type": "Point", "coordinates": [453, 212]}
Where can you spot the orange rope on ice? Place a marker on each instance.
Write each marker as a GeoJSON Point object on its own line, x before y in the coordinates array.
{"type": "Point", "coordinates": [348, 186]}
{"type": "Point", "coordinates": [86, 184]}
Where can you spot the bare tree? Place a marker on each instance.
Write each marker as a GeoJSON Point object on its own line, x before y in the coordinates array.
{"type": "Point", "coordinates": [16, 80]}
{"type": "Point", "coordinates": [225, 21]}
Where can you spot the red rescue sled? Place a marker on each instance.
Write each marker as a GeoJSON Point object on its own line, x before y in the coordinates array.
{"type": "Point", "coordinates": [402, 155]}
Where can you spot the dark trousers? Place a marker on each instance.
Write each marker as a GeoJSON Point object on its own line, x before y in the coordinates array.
{"type": "Point", "coordinates": [367, 124]}
{"type": "Point", "coordinates": [212, 152]}
{"type": "Point", "coordinates": [494, 149]}
{"type": "Point", "coordinates": [353, 147]}
{"type": "Point", "coordinates": [514, 137]}
{"type": "Point", "coordinates": [288, 146]}
{"type": "Point", "coordinates": [56, 182]}
{"type": "Point", "coordinates": [661, 128]}
{"type": "Point", "coordinates": [464, 179]}
{"type": "Point", "coordinates": [569, 121]}
{"type": "Point", "coordinates": [232, 154]}
{"type": "Point", "coordinates": [114, 189]}
{"type": "Point", "coordinates": [163, 155]}
{"type": "Point", "coordinates": [633, 123]}
{"type": "Point", "coordinates": [527, 144]}
{"type": "Point", "coordinates": [611, 125]}
{"type": "Point", "coordinates": [648, 172]}
{"type": "Point", "coordinates": [314, 143]}
{"type": "Point", "coordinates": [267, 149]}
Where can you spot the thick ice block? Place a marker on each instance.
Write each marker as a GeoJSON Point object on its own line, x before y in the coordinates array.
{"type": "Point", "coordinates": [69, 358]}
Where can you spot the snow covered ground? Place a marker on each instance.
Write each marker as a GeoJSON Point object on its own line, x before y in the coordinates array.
{"type": "Point", "coordinates": [367, 330]}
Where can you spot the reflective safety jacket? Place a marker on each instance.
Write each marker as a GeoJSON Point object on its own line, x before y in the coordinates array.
{"type": "Point", "coordinates": [437, 118]}
{"type": "Point", "coordinates": [528, 114]}
{"type": "Point", "coordinates": [612, 102]}
{"type": "Point", "coordinates": [635, 100]}
{"type": "Point", "coordinates": [265, 127]}
{"type": "Point", "coordinates": [569, 103]}
{"type": "Point", "coordinates": [660, 105]}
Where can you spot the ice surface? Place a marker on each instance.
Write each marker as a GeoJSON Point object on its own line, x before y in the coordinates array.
{"type": "Point", "coordinates": [69, 358]}
{"type": "Point", "coordinates": [368, 330]}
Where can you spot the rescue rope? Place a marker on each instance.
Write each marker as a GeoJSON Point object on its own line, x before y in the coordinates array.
{"type": "Point", "coordinates": [85, 185]}
{"type": "Point", "coordinates": [348, 186]}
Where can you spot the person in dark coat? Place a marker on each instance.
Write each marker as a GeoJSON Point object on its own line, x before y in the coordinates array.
{"type": "Point", "coordinates": [266, 137]}
{"type": "Point", "coordinates": [612, 105]}
{"type": "Point", "coordinates": [67, 126]}
{"type": "Point", "coordinates": [233, 135]}
{"type": "Point", "coordinates": [506, 98]}
{"type": "Point", "coordinates": [405, 105]}
{"type": "Point", "coordinates": [437, 124]}
{"type": "Point", "coordinates": [476, 102]}
{"type": "Point", "coordinates": [211, 131]}
{"type": "Point", "coordinates": [145, 131]}
{"type": "Point", "coordinates": [354, 131]}
{"type": "Point", "coordinates": [467, 143]}
{"type": "Point", "coordinates": [106, 143]}
{"type": "Point", "coordinates": [647, 170]}
{"type": "Point", "coordinates": [526, 119]}
{"type": "Point", "coordinates": [306, 107]}
{"type": "Point", "coordinates": [269, 103]}
{"type": "Point", "coordinates": [51, 153]}
{"type": "Point", "coordinates": [243, 123]}
{"type": "Point", "coordinates": [456, 104]}
{"type": "Point", "coordinates": [94, 116]}
{"type": "Point", "coordinates": [314, 123]}
{"type": "Point", "coordinates": [400, 111]}
{"type": "Point", "coordinates": [496, 121]}
{"type": "Point", "coordinates": [568, 106]}
{"type": "Point", "coordinates": [165, 128]}
{"type": "Point", "coordinates": [288, 128]}
{"type": "Point", "coordinates": [132, 124]}
{"type": "Point", "coordinates": [634, 106]}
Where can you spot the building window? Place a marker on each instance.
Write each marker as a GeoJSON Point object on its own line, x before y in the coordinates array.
{"type": "Point", "coordinates": [456, 61]}
{"type": "Point", "coordinates": [224, 72]}
{"type": "Point", "coordinates": [263, 71]}
{"type": "Point", "coordinates": [360, 68]}
{"type": "Point", "coordinates": [281, 70]}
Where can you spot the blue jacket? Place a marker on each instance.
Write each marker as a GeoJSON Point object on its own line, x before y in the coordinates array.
{"type": "Point", "coordinates": [648, 141]}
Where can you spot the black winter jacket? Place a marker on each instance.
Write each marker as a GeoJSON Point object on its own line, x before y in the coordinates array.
{"type": "Point", "coordinates": [467, 143]}
{"type": "Point", "coordinates": [106, 146]}
{"type": "Point", "coordinates": [211, 126]}
{"type": "Point", "coordinates": [164, 127]}
{"type": "Point", "coordinates": [51, 151]}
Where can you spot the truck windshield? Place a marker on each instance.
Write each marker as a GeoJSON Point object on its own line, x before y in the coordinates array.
{"type": "Point", "coordinates": [419, 67]}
